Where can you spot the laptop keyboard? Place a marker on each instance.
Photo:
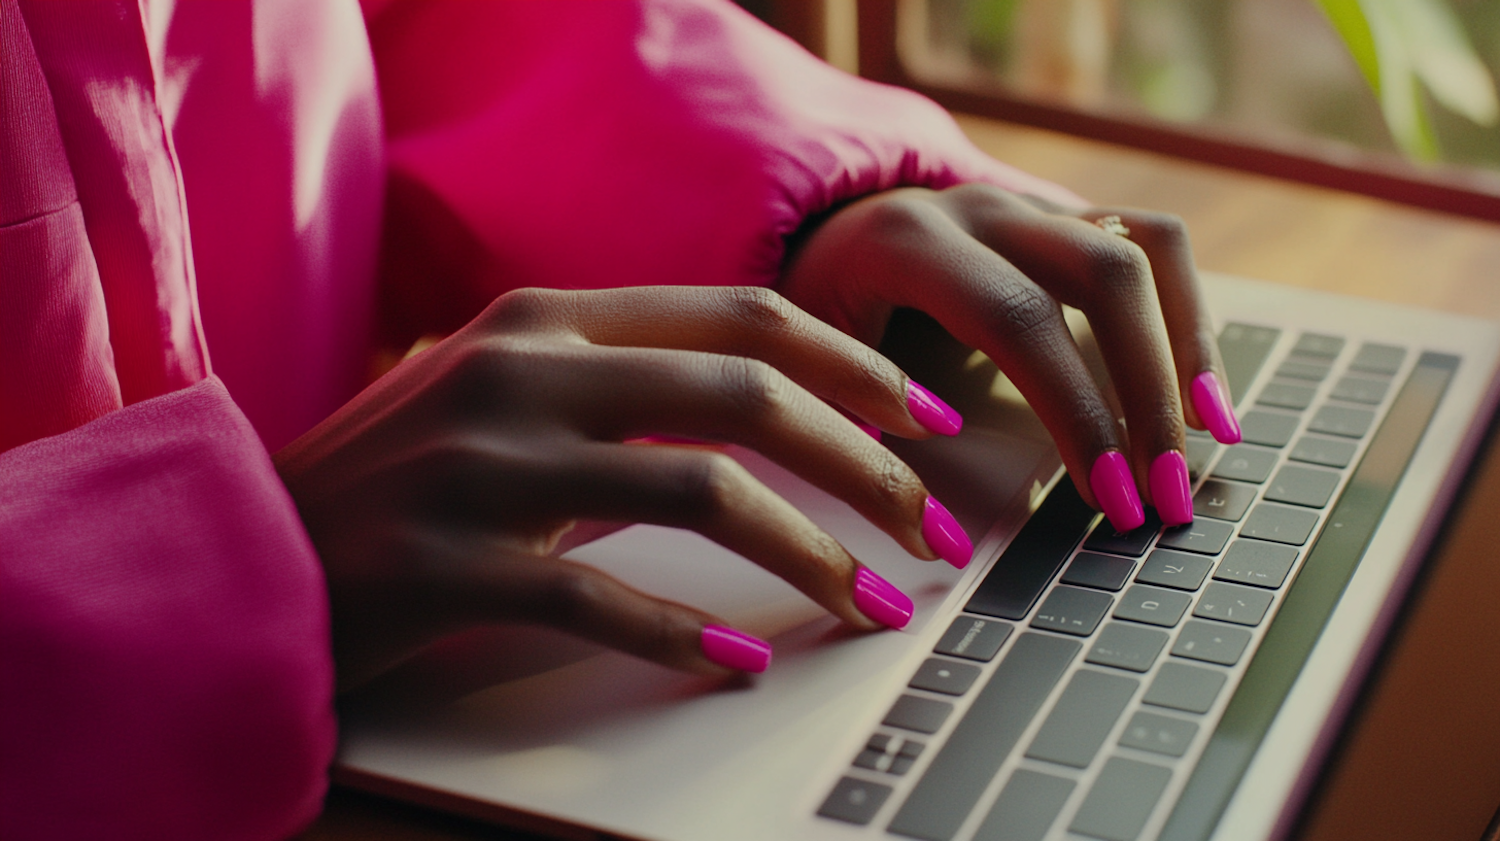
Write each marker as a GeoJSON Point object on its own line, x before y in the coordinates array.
{"type": "Point", "coordinates": [1092, 691]}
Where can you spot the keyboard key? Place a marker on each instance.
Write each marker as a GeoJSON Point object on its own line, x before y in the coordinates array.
{"type": "Point", "coordinates": [963, 768]}
{"type": "Point", "coordinates": [1304, 369]}
{"type": "Point", "coordinates": [873, 760]}
{"type": "Point", "coordinates": [1081, 719]}
{"type": "Point", "coordinates": [900, 765]}
{"type": "Point", "coordinates": [1342, 420]}
{"type": "Point", "coordinates": [911, 749]}
{"type": "Point", "coordinates": [1211, 643]}
{"type": "Point", "coordinates": [1286, 395]}
{"type": "Point", "coordinates": [973, 638]}
{"type": "Point", "coordinates": [1159, 734]}
{"type": "Point", "coordinates": [1207, 537]}
{"type": "Point", "coordinates": [1360, 390]}
{"type": "Point", "coordinates": [879, 742]}
{"type": "Point", "coordinates": [1026, 807]}
{"type": "Point", "coordinates": [1028, 564]}
{"type": "Point", "coordinates": [1102, 572]}
{"type": "Point", "coordinates": [1175, 569]}
{"type": "Point", "coordinates": [1326, 451]}
{"type": "Point", "coordinates": [1200, 451]}
{"type": "Point", "coordinates": [1378, 359]}
{"type": "Point", "coordinates": [1315, 344]}
{"type": "Point", "coordinates": [945, 676]}
{"type": "Point", "coordinates": [1131, 543]}
{"type": "Point", "coordinates": [1245, 463]}
{"type": "Point", "coordinates": [1072, 611]}
{"type": "Point", "coordinates": [1223, 500]}
{"type": "Point", "coordinates": [1183, 687]}
{"type": "Point", "coordinates": [1279, 523]}
{"type": "Point", "coordinates": [1153, 605]}
{"type": "Point", "coordinates": [1234, 603]}
{"type": "Point", "coordinates": [1121, 800]}
{"type": "Point", "coordinates": [1307, 486]}
{"type": "Point", "coordinates": [1272, 429]}
{"type": "Point", "coordinates": [1127, 646]}
{"type": "Point", "coordinates": [854, 801]}
{"type": "Point", "coordinates": [1256, 562]}
{"type": "Point", "coordinates": [924, 715]}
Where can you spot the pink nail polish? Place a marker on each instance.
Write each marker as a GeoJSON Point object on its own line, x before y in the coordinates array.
{"type": "Point", "coordinates": [932, 412]}
{"type": "Point", "coordinates": [735, 650]}
{"type": "Point", "coordinates": [1211, 402]}
{"type": "Point", "coordinates": [1115, 489]}
{"type": "Point", "coordinates": [1170, 488]}
{"type": "Point", "coordinates": [872, 431]}
{"type": "Point", "coordinates": [945, 536]}
{"type": "Point", "coordinates": [880, 600]}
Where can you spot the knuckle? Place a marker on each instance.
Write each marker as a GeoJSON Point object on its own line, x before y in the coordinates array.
{"type": "Point", "coordinates": [1116, 261]}
{"type": "Point", "coordinates": [759, 309]}
{"type": "Point", "coordinates": [900, 216]}
{"type": "Point", "coordinates": [755, 389]}
{"type": "Point", "coordinates": [1026, 310]}
{"type": "Point", "coordinates": [895, 485]}
{"type": "Point", "coordinates": [709, 486]}
{"type": "Point", "coordinates": [1165, 228]}
{"type": "Point", "coordinates": [481, 368]}
{"type": "Point", "coordinates": [525, 307]}
{"type": "Point", "coordinates": [570, 595]}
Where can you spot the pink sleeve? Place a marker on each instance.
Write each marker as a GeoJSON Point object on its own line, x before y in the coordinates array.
{"type": "Point", "coordinates": [164, 658]}
{"type": "Point", "coordinates": [580, 144]}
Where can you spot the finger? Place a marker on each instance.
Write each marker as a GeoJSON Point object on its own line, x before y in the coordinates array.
{"type": "Point", "coordinates": [616, 394]}
{"type": "Point", "coordinates": [502, 586]}
{"type": "Point", "coordinates": [926, 261]}
{"type": "Point", "coordinates": [711, 494]}
{"type": "Point", "coordinates": [1110, 279]}
{"type": "Point", "coordinates": [750, 322]}
{"type": "Point", "coordinates": [1195, 349]}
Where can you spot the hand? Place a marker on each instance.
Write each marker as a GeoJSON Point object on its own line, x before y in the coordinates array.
{"type": "Point", "coordinates": [993, 268]}
{"type": "Point", "coordinates": [434, 496]}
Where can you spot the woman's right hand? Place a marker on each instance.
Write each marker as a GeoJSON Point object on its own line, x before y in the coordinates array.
{"type": "Point", "coordinates": [435, 496]}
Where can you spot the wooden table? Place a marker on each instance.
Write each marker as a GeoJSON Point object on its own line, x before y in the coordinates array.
{"type": "Point", "coordinates": [1423, 760]}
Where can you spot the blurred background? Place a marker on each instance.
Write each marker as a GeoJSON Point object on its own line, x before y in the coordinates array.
{"type": "Point", "coordinates": [1406, 86]}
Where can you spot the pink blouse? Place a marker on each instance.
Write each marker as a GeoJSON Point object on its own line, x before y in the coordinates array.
{"type": "Point", "coordinates": [192, 273]}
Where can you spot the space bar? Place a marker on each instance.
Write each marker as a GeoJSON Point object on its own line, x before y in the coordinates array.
{"type": "Point", "coordinates": [946, 794]}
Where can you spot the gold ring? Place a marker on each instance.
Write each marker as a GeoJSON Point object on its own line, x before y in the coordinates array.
{"type": "Point", "coordinates": [1112, 225]}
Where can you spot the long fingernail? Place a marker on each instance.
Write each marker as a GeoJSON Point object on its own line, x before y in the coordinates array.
{"type": "Point", "coordinates": [1211, 402]}
{"type": "Point", "coordinates": [1115, 489]}
{"type": "Point", "coordinates": [880, 600]}
{"type": "Point", "coordinates": [932, 412]}
{"type": "Point", "coordinates": [1170, 488]}
{"type": "Point", "coordinates": [945, 536]}
{"type": "Point", "coordinates": [735, 650]}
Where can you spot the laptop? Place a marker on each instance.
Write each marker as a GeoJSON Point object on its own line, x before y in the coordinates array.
{"type": "Point", "coordinates": [1071, 683]}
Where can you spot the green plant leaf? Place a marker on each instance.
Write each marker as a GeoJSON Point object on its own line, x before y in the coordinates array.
{"type": "Point", "coordinates": [1349, 21]}
{"type": "Point", "coordinates": [1443, 58]}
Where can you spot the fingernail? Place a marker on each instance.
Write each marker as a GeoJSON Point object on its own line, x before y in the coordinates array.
{"type": "Point", "coordinates": [1115, 489]}
{"type": "Point", "coordinates": [880, 600]}
{"type": "Point", "coordinates": [932, 412]}
{"type": "Point", "coordinates": [945, 536]}
{"type": "Point", "coordinates": [735, 650]}
{"type": "Point", "coordinates": [1211, 402]}
{"type": "Point", "coordinates": [1170, 488]}
{"type": "Point", "coordinates": [872, 431]}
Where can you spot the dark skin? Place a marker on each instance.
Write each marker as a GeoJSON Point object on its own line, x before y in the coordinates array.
{"type": "Point", "coordinates": [435, 496]}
